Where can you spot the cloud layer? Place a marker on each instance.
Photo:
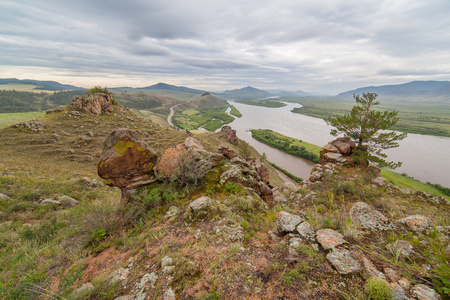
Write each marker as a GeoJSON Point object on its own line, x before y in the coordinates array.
{"type": "Point", "coordinates": [310, 45]}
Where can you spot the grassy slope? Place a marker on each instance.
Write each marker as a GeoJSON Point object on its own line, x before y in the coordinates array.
{"type": "Point", "coordinates": [423, 118]}
{"type": "Point", "coordinates": [47, 250]}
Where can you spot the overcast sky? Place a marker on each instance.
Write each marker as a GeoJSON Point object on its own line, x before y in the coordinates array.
{"type": "Point", "coordinates": [324, 46]}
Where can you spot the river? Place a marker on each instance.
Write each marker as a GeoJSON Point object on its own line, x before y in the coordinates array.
{"type": "Point", "coordinates": [424, 157]}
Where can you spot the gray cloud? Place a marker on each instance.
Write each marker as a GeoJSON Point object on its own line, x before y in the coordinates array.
{"type": "Point", "coordinates": [311, 45]}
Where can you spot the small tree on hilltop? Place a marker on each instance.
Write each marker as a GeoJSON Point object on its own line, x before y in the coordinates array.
{"type": "Point", "coordinates": [366, 127]}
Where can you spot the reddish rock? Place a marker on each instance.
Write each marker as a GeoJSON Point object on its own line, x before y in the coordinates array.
{"type": "Point", "coordinates": [169, 159]}
{"type": "Point", "coordinates": [94, 104]}
{"type": "Point", "coordinates": [337, 151]}
{"type": "Point", "coordinates": [416, 223]}
{"type": "Point", "coordinates": [192, 143]}
{"type": "Point", "coordinates": [261, 169]}
{"type": "Point", "coordinates": [330, 148]}
{"type": "Point", "coordinates": [343, 261]}
{"type": "Point", "coordinates": [227, 152]}
{"type": "Point", "coordinates": [126, 159]}
{"type": "Point", "coordinates": [230, 134]}
{"type": "Point", "coordinates": [345, 146]}
{"type": "Point", "coordinates": [328, 238]}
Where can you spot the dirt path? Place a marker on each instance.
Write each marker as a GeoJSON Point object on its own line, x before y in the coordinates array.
{"type": "Point", "coordinates": [172, 112]}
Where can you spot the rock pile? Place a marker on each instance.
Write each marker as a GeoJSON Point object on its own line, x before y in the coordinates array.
{"type": "Point", "coordinates": [337, 151]}
{"type": "Point", "coordinates": [94, 104]}
{"type": "Point", "coordinates": [34, 126]}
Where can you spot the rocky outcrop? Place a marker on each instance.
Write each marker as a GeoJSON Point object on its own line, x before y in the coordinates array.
{"type": "Point", "coordinates": [287, 223]}
{"type": "Point", "coordinates": [230, 134]}
{"type": "Point", "coordinates": [126, 159]}
{"type": "Point", "coordinates": [261, 169]}
{"type": "Point", "coordinates": [416, 223]}
{"type": "Point", "coordinates": [337, 151]}
{"type": "Point", "coordinates": [94, 104]}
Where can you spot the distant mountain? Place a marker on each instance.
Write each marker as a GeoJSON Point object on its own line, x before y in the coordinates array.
{"type": "Point", "coordinates": [41, 85]}
{"type": "Point", "coordinates": [287, 94]}
{"type": "Point", "coordinates": [244, 93]}
{"type": "Point", "coordinates": [418, 90]}
{"type": "Point", "coordinates": [165, 86]}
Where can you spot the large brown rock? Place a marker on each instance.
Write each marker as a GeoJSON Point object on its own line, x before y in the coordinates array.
{"type": "Point", "coordinates": [337, 151]}
{"type": "Point", "coordinates": [126, 159]}
{"type": "Point", "coordinates": [94, 104]}
{"type": "Point", "coordinates": [169, 160]}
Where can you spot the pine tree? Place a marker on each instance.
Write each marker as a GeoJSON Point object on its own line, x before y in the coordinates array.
{"type": "Point", "coordinates": [367, 128]}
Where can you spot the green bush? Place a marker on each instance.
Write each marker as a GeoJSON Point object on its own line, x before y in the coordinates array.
{"type": "Point", "coordinates": [378, 289]}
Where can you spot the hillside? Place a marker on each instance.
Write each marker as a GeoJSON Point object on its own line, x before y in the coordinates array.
{"type": "Point", "coordinates": [206, 232]}
{"type": "Point", "coordinates": [38, 85]}
{"type": "Point", "coordinates": [412, 91]}
{"type": "Point", "coordinates": [244, 93]}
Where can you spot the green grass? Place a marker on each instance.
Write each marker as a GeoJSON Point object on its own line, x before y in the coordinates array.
{"type": "Point", "coordinates": [265, 103]}
{"type": "Point", "coordinates": [406, 182]}
{"type": "Point", "coordinates": [430, 118]}
{"type": "Point", "coordinates": [208, 118]}
{"type": "Point", "coordinates": [12, 118]}
{"type": "Point", "coordinates": [288, 174]}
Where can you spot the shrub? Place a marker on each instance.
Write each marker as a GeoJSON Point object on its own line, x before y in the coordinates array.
{"type": "Point", "coordinates": [378, 289]}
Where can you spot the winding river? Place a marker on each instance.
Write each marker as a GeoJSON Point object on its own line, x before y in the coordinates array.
{"type": "Point", "coordinates": [424, 157]}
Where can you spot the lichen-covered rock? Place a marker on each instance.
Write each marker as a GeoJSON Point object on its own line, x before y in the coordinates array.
{"type": "Point", "coordinates": [329, 239]}
{"type": "Point", "coordinates": [423, 292]}
{"type": "Point", "coordinates": [94, 104]}
{"type": "Point", "coordinates": [363, 216]}
{"type": "Point", "coordinates": [125, 159]}
{"type": "Point", "coordinates": [371, 270]}
{"type": "Point", "coordinates": [287, 223]}
{"type": "Point", "coordinates": [416, 223]}
{"type": "Point", "coordinates": [343, 262]}
{"type": "Point", "coordinates": [67, 201]}
{"type": "Point", "coordinates": [200, 204]}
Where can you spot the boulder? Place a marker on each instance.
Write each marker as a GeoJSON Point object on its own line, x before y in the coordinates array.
{"type": "Point", "coordinates": [192, 143]}
{"type": "Point", "coordinates": [201, 203]}
{"type": "Point", "coordinates": [94, 104]}
{"type": "Point", "coordinates": [50, 202]}
{"type": "Point", "coordinates": [67, 201]}
{"type": "Point", "coordinates": [363, 216]}
{"type": "Point", "coordinates": [337, 151]}
{"type": "Point", "coordinates": [169, 160]}
{"type": "Point", "coordinates": [329, 239]}
{"type": "Point", "coordinates": [287, 223]}
{"type": "Point", "coordinates": [343, 262]}
{"type": "Point", "coordinates": [416, 223]}
{"type": "Point", "coordinates": [344, 146]}
{"type": "Point", "coordinates": [126, 159]}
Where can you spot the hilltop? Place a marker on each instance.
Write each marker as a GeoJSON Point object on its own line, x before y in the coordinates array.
{"type": "Point", "coordinates": [343, 234]}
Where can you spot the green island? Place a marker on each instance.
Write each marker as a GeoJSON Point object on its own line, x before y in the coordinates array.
{"type": "Point", "coordinates": [265, 103]}
{"type": "Point", "coordinates": [287, 173]}
{"type": "Point", "coordinates": [287, 144]}
{"type": "Point", "coordinates": [235, 112]}
{"type": "Point", "coordinates": [429, 118]}
{"type": "Point", "coordinates": [208, 118]}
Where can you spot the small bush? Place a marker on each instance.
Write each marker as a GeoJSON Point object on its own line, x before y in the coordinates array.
{"type": "Point", "coordinates": [378, 289]}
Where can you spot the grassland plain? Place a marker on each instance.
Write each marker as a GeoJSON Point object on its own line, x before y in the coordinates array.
{"type": "Point", "coordinates": [265, 103]}
{"type": "Point", "coordinates": [208, 118]}
{"type": "Point", "coordinates": [224, 252]}
{"type": "Point", "coordinates": [430, 118]}
{"type": "Point", "coordinates": [12, 118]}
